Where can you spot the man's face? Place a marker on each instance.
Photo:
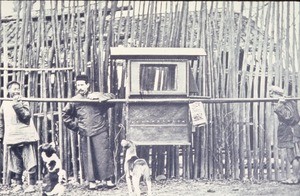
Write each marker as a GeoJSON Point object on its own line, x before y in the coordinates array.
{"type": "Point", "coordinates": [14, 90]}
{"type": "Point", "coordinates": [82, 87]}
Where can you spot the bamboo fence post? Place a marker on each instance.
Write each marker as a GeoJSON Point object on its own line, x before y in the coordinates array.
{"type": "Point", "coordinates": [153, 161]}
{"type": "Point", "coordinates": [210, 148]}
{"type": "Point", "coordinates": [93, 48]}
{"type": "Point", "coordinates": [287, 47]}
{"type": "Point", "coordinates": [133, 26]}
{"type": "Point", "coordinates": [79, 43]}
{"type": "Point", "coordinates": [178, 19]}
{"type": "Point", "coordinates": [182, 35]}
{"type": "Point", "coordinates": [272, 128]}
{"type": "Point", "coordinates": [16, 38]}
{"type": "Point", "coordinates": [215, 159]}
{"type": "Point", "coordinates": [149, 22]}
{"type": "Point", "coordinates": [63, 139]}
{"type": "Point", "coordinates": [239, 117]}
{"type": "Point", "coordinates": [73, 138]}
{"type": "Point", "coordinates": [286, 62]}
{"type": "Point", "coordinates": [255, 106]}
{"type": "Point", "coordinates": [293, 53]}
{"type": "Point", "coordinates": [141, 26]}
{"type": "Point", "coordinates": [280, 42]}
{"type": "Point", "coordinates": [165, 23]}
{"type": "Point", "coordinates": [245, 115]}
{"type": "Point", "coordinates": [101, 52]}
{"type": "Point", "coordinates": [6, 176]}
{"type": "Point", "coordinates": [200, 21]}
{"type": "Point", "coordinates": [78, 62]}
{"type": "Point", "coordinates": [234, 81]}
{"type": "Point", "coordinates": [34, 85]}
{"type": "Point", "coordinates": [267, 107]}
{"type": "Point", "coordinates": [127, 25]}
{"type": "Point", "coordinates": [173, 23]}
{"type": "Point", "coordinates": [202, 131]}
{"type": "Point", "coordinates": [197, 134]}
{"type": "Point", "coordinates": [192, 33]}
{"type": "Point", "coordinates": [117, 36]}
{"type": "Point", "coordinates": [228, 170]}
{"type": "Point", "coordinates": [87, 38]}
{"type": "Point", "coordinates": [221, 77]}
{"type": "Point", "coordinates": [298, 58]}
{"type": "Point", "coordinates": [260, 73]}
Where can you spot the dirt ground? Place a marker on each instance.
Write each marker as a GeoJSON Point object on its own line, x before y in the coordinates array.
{"type": "Point", "coordinates": [185, 187]}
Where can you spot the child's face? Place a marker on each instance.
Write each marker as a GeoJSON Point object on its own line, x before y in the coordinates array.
{"type": "Point", "coordinates": [14, 90]}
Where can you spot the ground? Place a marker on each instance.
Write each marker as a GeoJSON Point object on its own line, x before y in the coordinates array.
{"type": "Point", "coordinates": [174, 187]}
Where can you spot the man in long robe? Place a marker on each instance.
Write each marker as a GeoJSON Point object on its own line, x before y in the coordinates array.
{"type": "Point", "coordinates": [90, 121]}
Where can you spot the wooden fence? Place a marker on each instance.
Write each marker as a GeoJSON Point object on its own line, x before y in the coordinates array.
{"type": "Point", "coordinates": [247, 51]}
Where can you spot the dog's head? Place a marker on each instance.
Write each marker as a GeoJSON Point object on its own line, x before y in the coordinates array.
{"type": "Point", "coordinates": [49, 157]}
{"type": "Point", "coordinates": [48, 148]}
{"type": "Point", "coordinates": [129, 147]}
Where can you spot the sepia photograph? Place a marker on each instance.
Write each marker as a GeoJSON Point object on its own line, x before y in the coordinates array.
{"type": "Point", "coordinates": [149, 98]}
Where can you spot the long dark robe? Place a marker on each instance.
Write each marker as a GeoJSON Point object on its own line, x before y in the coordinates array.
{"type": "Point", "coordinates": [90, 121]}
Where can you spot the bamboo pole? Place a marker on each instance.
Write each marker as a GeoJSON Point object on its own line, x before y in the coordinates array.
{"type": "Point", "coordinates": [127, 33]}
{"type": "Point", "coordinates": [239, 117]}
{"type": "Point", "coordinates": [165, 18]}
{"type": "Point", "coordinates": [286, 62]}
{"type": "Point", "coordinates": [246, 115]}
{"type": "Point", "coordinates": [120, 24]}
{"type": "Point", "coordinates": [209, 138]}
{"type": "Point", "coordinates": [16, 38]}
{"type": "Point", "coordinates": [255, 107]}
{"type": "Point", "coordinates": [133, 32]}
{"type": "Point", "coordinates": [150, 100]}
{"type": "Point", "coordinates": [86, 44]}
{"type": "Point", "coordinates": [6, 177]}
{"type": "Point", "coordinates": [271, 71]}
{"type": "Point", "coordinates": [298, 58]}
{"type": "Point", "coordinates": [149, 23]}
{"type": "Point", "coordinates": [141, 25]}
{"type": "Point", "coordinates": [216, 160]}
{"type": "Point", "coordinates": [269, 75]}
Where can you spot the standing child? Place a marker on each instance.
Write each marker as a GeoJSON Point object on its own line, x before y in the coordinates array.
{"type": "Point", "coordinates": [20, 136]}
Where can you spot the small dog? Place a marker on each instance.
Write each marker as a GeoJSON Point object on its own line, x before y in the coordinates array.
{"type": "Point", "coordinates": [55, 176]}
{"type": "Point", "coordinates": [134, 169]}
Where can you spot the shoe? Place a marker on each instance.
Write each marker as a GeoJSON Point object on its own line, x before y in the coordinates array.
{"type": "Point", "coordinates": [102, 184]}
{"type": "Point", "coordinates": [92, 186]}
{"type": "Point", "coordinates": [291, 181]}
{"type": "Point", "coordinates": [17, 188]}
{"type": "Point", "coordinates": [29, 189]}
{"type": "Point", "coordinates": [110, 184]}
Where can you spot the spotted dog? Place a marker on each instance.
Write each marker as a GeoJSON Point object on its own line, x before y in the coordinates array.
{"type": "Point", "coordinates": [53, 182]}
{"type": "Point", "coordinates": [135, 168]}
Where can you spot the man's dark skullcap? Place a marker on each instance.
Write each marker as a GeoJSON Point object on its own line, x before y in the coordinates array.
{"type": "Point", "coordinates": [82, 77]}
